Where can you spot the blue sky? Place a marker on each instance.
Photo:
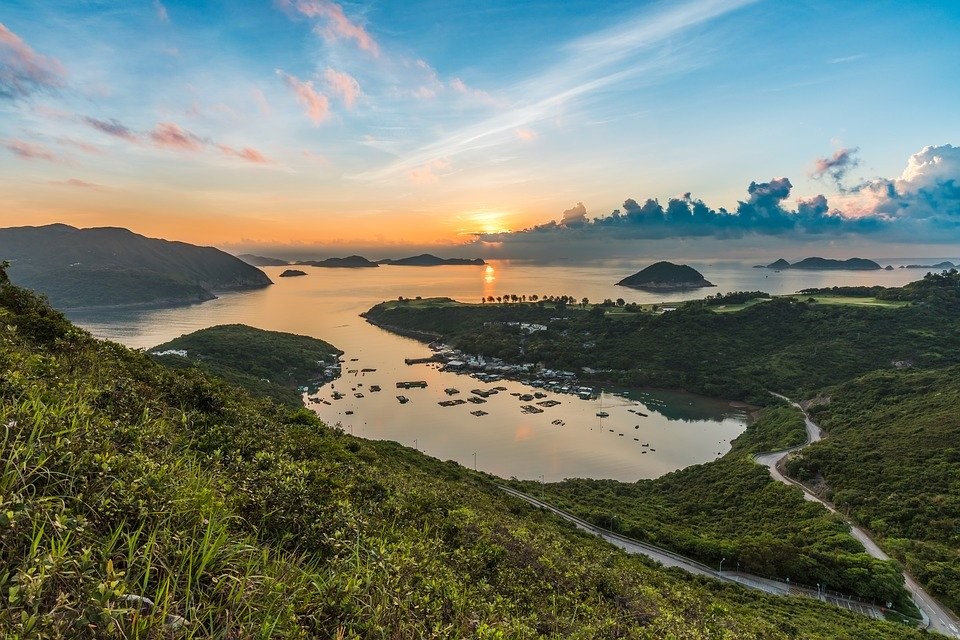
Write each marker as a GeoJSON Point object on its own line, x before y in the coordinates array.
{"type": "Point", "coordinates": [314, 122]}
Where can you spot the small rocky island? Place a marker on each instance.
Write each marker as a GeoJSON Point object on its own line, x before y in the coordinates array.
{"type": "Point", "coordinates": [292, 273]}
{"type": "Point", "coordinates": [666, 276]}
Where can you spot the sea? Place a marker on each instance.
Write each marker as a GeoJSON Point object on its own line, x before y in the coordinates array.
{"type": "Point", "coordinates": [568, 440]}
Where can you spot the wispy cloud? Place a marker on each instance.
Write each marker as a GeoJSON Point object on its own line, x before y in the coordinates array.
{"type": "Point", "coordinates": [172, 136]}
{"type": "Point", "coordinates": [845, 59]}
{"type": "Point", "coordinates": [588, 65]}
{"type": "Point", "coordinates": [316, 105]}
{"type": "Point", "coordinates": [161, 11]}
{"type": "Point", "coordinates": [525, 134]}
{"type": "Point", "coordinates": [246, 153]}
{"type": "Point", "coordinates": [111, 127]}
{"type": "Point", "coordinates": [23, 71]}
{"type": "Point", "coordinates": [29, 151]}
{"type": "Point", "coordinates": [343, 85]}
{"type": "Point", "coordinates": [78, 184]}
{"type": "Point", "coordinates": [427, 174]}
{"type": "Point", "coordinates": [336, 25]}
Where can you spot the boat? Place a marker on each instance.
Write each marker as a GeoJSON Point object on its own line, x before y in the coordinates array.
{"type": "Point", "coordinates": [603, 414]}
{"type": "Point", "coordinates": [349, 413]}
{"type": "Point", "coordinates": [450, 391]}
{"type": "Point", "coordinates": [374, 387]}
{"type": "Point", "coordinates": [403, 399]}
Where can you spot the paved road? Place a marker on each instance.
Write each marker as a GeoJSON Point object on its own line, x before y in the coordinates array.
{"type": "Point", "coordinates": [671, 559]}
{"type": "Point", "coordinates": [935, 615]}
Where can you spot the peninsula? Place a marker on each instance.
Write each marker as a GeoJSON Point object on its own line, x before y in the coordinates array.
{"type": "Point", "coordinates": [666, 276]}
{"type": "Point", "coordinates": [109, 266]}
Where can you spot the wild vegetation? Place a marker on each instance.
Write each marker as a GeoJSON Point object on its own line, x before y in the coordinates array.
{"type": "Point", "coordinates": [732, 509]}
{"type": "Point", "coordinates": [140, 501]}
{"type": "Point", "coordinates": [269, 364]}
{"type": "Point", "coordinates": [892, 463]}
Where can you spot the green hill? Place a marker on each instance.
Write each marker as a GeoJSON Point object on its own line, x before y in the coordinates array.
{"type": "Point", "coordinates": [269, 364]}
{"type": "Point", "coordinates": [109, 266]}
{"type": "Point", "coordinates": [122, 480]}
{"type": "Point", "coordinates": [666, 276]}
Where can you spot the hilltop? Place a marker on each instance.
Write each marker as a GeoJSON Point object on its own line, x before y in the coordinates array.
{"type": "Point", "coordinates": [269, 364]}
{"type": "Point", "coordinates": [428, 260]}
{"type": "Point", "coordinates": [666, 276]}
{"type": "Point", "coordinates": [111, 266]}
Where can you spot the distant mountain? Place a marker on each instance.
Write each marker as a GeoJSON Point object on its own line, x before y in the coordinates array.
{"type": "Point", "coordinates": [291, 273]}
{"type": "Point", "coordinates": [428, 260]}
{"type": "Point", "coordinates": [262, 261]}
{"type": "Point", "coordinates": [350, 262]}
{"type": "Point", "coordinates": [666, 276]}
{"type": "Point", "coordinates": [827, 264]}
{"type": "Point", "coordinates": [939, 265]}
{"type": "Point", "coordinates": [110, 266]}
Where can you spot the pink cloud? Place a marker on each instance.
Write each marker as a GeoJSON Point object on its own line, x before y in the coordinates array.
{"type": "Point", "coordinates": [527, 135]}
{"type": "Point", "coordinates": [29, 151]}
{"type": "Point", "coordinates": [479, 95]}
{"type": "Point", "coordinates": [77, 183]}
{"type": "Point", "coordinates": [426, 174]}
{"type": "Point", "coordinates": [343, 85]}
{"type": "Point", "coordinates": [261, 100]}
{"type": "Point", "coordinates": [338, 26]}
{"type": "Point", "coordinates": [171, 136]}
{"type": "Point", "coordinates": [23, 70]}
{"type": "Point", "coordinates": [247, 153]}
{"type": "Point", "coordinates": [316, 104]}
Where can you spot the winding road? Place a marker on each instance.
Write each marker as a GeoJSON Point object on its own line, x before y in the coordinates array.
{"type": "Point", "coordinates": [670, 559]}
{"type": "Point", "coordinates": [935, 616]}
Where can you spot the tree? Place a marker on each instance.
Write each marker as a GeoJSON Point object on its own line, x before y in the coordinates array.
{"type": "Point", "coordinates": [585, 301]}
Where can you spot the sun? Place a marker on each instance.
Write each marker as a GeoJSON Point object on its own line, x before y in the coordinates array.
{"type": "Point", "coordinates": [487, 222]}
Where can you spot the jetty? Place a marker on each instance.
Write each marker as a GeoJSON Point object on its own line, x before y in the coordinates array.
{"type": "Point", "coordinates": [412, 384]}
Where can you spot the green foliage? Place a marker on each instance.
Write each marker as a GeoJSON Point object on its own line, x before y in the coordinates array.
{"type": "Point", "coordinates": [269, 364]}
{"type": "Point", "coordinates": [892, 462]}
{"type": "Point", "coordinates": [786, 345]}
{"type": "Point", "coordinates": [731, 508]}
{"type": "Point", "coordinates": [122, 480]}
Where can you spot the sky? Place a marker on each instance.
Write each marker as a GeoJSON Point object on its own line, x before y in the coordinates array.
{"type": "Point", "coordinates": [487, 127]}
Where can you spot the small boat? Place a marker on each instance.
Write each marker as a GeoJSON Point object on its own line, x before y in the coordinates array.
{"type": "Point", "coordinates": [603, 414]}
{"type": "Point", "coordinates": [374, 388]}
{"type": "Point", "coordinates": [349, 413]}
{"type": "Point", "coordinates": [403, 399]}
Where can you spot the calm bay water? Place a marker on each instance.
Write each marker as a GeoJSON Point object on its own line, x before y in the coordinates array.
{"type": "Point", "coordinates": [680, 429]}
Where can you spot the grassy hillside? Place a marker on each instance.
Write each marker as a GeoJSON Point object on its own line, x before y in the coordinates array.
{"type": "Point", "coordinates": [122, 480]}
{"type": "Point", "coordinates": [108, 266]}
{"type": "Point", "coordinates": [892, 463]}
{"type": "Point", "coordinates": [268, 364]}
{"type": "Point", "coordinates": [785, 344]}
{"type": "Point", "coordinates": [732, 509]}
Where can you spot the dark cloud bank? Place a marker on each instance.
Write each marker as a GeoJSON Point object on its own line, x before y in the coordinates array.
{"type": "Point", "coordinates": [921, 206]}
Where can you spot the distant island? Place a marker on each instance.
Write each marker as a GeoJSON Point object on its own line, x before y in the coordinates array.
{"type": "Point", "coordinates": [350, 262]}
{"type": "Point", "coordinates": [291, 273]}
{"type": "Point", "coordinates": [428, 260]}
{"type": "Point", "coordinates": [268, 364]}
{"type": "Point", "coordinates": [666, 276]}
{"type": "Point", "coordinates": [824, 264]}
{"type": "Point", "coordinates": [262, 261]}
{"type": "Point", "coordinates": [108, 266]}
{"type": "Point", "coordinates": [939, 265]}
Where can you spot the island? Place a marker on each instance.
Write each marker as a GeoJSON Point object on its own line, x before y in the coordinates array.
{"type": "Point", "coordinates": [350, 262]}
{"type": "Point", "coordinates": [268, 364]}
{"type": "Point", "coordinates": [666, 276]}
{"type": "Point", "coordinates": [262, 261]}
{"type": "Point", "coordinates": [824, 264]}
{"type": "Point", "coordinates": [292, 273]}
{"type": "Point", "coordinates": [108, 266]}
{"type": "Point", "coordinates": [429, 260]}
{"type": "Point", "coordinates": [940, 265]}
